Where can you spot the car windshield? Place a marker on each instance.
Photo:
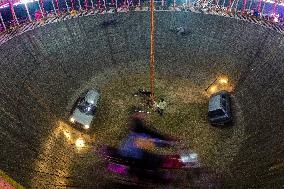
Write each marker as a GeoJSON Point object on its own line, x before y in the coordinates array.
{"type": "Point", "coordinates": [216, 113]}
{"type": "Point", "coordinates": [87, 108]}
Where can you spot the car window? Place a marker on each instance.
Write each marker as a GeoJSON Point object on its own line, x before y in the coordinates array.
{"type": "Point", "coordinates": [223, 102]}
{"type": "Point", "coordinates": [87, 108]}
{"type": "Point", "coordinates": [216, 113]}
{"type": "Point", "coordinates": [81, 100]}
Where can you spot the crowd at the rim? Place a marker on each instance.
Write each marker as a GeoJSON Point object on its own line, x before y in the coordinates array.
{"type": "Point", "coordinates": [270, 20]}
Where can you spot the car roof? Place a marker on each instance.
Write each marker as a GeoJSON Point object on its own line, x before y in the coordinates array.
{"type": "Point", "coordinates": [92, 96]}
{"type": "Point", "coordinates": [215, 101]}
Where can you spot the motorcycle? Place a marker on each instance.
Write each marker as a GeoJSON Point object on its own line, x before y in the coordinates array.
{"type": "Point", "coordinates": [131, 171]}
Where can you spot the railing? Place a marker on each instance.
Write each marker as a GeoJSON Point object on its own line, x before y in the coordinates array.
{"type": "Point", "coordinates": [246, 15]}
{"type": "Point", "coordinates": [27, 10]}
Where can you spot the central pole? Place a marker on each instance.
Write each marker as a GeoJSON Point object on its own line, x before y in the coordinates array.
{"type": "Point", "coordinates": [152, 58]}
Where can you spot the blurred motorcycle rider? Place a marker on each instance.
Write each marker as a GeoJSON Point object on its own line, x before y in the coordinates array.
{"type": "Point", "coordinates": [140, 140]}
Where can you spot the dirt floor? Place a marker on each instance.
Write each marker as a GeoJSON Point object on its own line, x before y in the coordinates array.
{"type": "Point", "coordinates": [185, 118]}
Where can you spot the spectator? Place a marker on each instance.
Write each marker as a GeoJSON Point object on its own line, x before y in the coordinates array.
{"type": "Point", "coordinates": [38, 15]}
{"type": "Point", "coordinates": [73, 12]}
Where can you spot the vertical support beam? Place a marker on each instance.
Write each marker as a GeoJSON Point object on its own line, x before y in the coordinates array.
{"type": "Point", "coordinates": [2, 22]}
{"type": "Point", "coordinates": [86, 5]}
{"type": "Point", "coordinates": [54, 9]}
{"type": "Point", "coordinates": [259, 6]}
{"type": "Point", "coordinates": [237, 3]}
{"type": "Point", "coordinates": [80, 7]}
{"type": "Point", "coordinates": [15, 19]}
{"type": "Point", "coordinates": [42, 8]}
{"type": "Point", "coordinates": [28, 12]}
{"type": "Point", "coordinates": [250, 4]}
{"type": "Point", "coordinates": [230, 6]}
{"type": "Point", "coordinates": [152, 51]}
{"type": "Point", "coordinates": [262, 11]}
{"type": "Point", "coordinates": [67, 7]}
{"type": "Point", "coordinates": [105, 4]}
{"type": "Point", "coordinates": [174, 4]}
{"type": "Point", "coordinates": [244, 6]}
{"type": "Point", "coordinates": [72, 4]}
{"type": "Point", "coordinates": [99, 4]}
{"type": "Point", "coordinates": [57, 6]}
{"type": "Point", "coordinates": [125, 4]}
{"type": "Point", "coordinates": [275, 7]}
{"type": "Point", "coordinates": [93, 7]}
{"type": "Point", "coordinates": [223, 4]}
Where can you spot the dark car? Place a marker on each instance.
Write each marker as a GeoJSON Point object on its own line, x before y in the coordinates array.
{"type": "Point", "coordinates": [219, 109]}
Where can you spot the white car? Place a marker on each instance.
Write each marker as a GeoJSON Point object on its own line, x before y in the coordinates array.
{"type": "Point", "coordinates": [85, 108]}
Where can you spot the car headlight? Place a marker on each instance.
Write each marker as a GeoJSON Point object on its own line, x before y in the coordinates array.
{"type": "Point", "coordinates": [190, 158]}
{"type": "Point", "coordinates": [72, 120]}
{"type": "Point", "coordinates": [86, 126]}
{"type": "Point", "coordinates": [80, 143]}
